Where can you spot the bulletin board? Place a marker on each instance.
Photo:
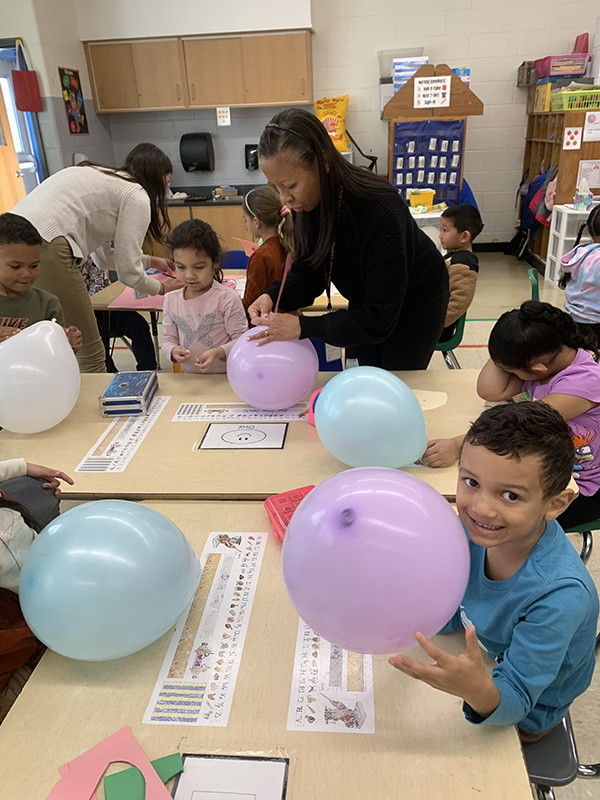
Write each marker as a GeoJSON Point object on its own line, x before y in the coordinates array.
{"type": "Point", "coordinates": [428, 154]}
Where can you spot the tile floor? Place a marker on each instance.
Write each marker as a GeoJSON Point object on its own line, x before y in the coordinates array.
{"type": "Point", "coordinates": [503, 284]}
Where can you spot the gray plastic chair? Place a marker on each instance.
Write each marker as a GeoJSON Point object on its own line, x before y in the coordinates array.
{"type": "Point", "coordinates": [553, 760]}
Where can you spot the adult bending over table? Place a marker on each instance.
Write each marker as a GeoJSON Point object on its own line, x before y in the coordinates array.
{"type": "Point", "coordinates": [84, 209]}
{"type": "Point", "coordinates": [351, 228]}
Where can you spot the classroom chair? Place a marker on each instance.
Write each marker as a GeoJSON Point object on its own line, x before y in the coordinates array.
{"type": "Point", "coordinates": [234, 259]}
{"type": "Point", "coordinates": [587, 543]}
{"type": "Point", "coordinates": [447, 346]}
{"type": "Point", "coordinates": [534, 280]}
{"type": "Point", "coordinates": [553, 760]}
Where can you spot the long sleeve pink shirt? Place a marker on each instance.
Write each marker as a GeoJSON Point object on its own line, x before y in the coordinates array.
{"type": "Point", "coordinates": [215, 319]}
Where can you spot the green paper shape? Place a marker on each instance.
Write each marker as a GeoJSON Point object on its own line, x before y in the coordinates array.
{"type": "Point", "coordinates": [130, 785]}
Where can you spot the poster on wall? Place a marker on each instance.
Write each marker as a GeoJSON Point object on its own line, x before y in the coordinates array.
{"type": "Point", "coordinates": [73, 97]}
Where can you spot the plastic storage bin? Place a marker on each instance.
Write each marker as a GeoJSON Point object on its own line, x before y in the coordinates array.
{"type": "Point", "coordinates": [573, 64]}
{"type": "Point", "coordinates": [422, 197]}
{"type": "Point", "coordinates": [567, 101]}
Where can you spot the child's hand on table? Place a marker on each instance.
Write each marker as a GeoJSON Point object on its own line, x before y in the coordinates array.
{"type": "Point", "coordinates": [442, 452]}
{"type": "Point", "coordinates": [6, 331]}
{"type": "Point", "coordinates": [208, 358]}
{"type": "Point", "coordinates": [179, 354]}
{"type": "Point", "coordinates": [74, 336]}
{"type": "Point", "coordinates": [53, 477]}
{"type": "Point", "coordinates": [462, 676]}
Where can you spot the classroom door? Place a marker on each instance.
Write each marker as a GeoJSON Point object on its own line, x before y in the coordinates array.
{"type": "Point", "coordinates": [12, 188]}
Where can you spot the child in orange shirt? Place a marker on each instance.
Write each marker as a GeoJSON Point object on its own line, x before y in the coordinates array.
{"type": "Point", "coordinates": [272, 224]}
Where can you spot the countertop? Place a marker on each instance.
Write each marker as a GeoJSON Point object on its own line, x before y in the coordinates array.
{"type": "Point", "coordinates": [206, 191]}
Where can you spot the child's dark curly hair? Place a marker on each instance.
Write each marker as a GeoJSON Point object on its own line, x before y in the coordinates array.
{"type": "Point", "coordinates": [536, 329]}
{"type": "Point", "coordinates": [528, 429]}
{"type": "Point", "coordinates": [195, 234]}
{"type": "Point", "coordinates": [17, 230]}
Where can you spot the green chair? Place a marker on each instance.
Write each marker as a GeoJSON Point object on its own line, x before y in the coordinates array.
{"type": "Point", "coordinates": [446, 347]}
{"type": "Point", "coordinates": [535, 287]}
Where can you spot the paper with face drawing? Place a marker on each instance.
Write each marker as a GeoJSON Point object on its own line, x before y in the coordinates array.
{"type": "Point", "coordinates": [198, 676]}
{"type": "Point", "coordinates": [247, 436]}
{"type": "Point", "coordinates": [332, 689]}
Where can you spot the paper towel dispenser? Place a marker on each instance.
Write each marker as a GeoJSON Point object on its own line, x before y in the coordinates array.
{"type": "Point", "coordinates": [196, 152]}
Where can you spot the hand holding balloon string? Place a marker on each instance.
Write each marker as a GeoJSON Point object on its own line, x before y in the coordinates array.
{"type": "Point", "coordinates": [279, 327]}
{"type": "Point", "coordinates": [463, 676]}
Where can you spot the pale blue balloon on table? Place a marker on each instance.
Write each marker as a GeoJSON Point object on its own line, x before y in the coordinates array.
{"type": "Point", "coordinates": [106, 579]}
{"type": "Point", "coordinates": [368, 417]}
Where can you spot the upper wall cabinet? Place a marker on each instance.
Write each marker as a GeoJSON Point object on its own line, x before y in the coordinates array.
{"type": "Point", "coordinates": [270, 69]}
{"type": "Point", "coordinates": [276, 68]}
{"type": "Point", "coordinates": [215, 75]}
{"type": "Point", "coordinates": [159, 73]}
{"type": "Point", "coordinates": [112, 76]}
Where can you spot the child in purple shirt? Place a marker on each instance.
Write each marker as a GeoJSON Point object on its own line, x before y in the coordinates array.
{"type": "Point", "coordinates": [538, 352]}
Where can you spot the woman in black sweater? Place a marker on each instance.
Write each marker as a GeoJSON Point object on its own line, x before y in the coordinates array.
{"type": "Point", "coordinates": [352, 229]}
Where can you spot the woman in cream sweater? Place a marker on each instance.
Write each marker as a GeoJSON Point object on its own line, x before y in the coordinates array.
{"type": "Point", "coordinates": [94, 209]}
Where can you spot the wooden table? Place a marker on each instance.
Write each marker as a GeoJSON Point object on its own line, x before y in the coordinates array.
{"type": "Point", "coordinates": [422, 748]}
{"type": "Point", "coordinates": [167, 467]}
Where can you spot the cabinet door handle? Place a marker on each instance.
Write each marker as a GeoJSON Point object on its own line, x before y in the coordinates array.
{"type": "Point", "coordinates": [193, 92]}
{"type": "Point", "coordinates": [178, 91]}
{"type": "Point", "coordinates": [302, 86]}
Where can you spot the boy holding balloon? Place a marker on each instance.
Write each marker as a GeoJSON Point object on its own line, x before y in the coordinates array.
{"type": "Point", "coordinates": [530, 602]}
{"type": "Point", "coordinates": [21, 303]}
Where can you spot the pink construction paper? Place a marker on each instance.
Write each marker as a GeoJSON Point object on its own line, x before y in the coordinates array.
{"type": "Point", "coordinates": [126, 300]}
{"type": "Point", "coordinates": [81, 776]}
{"type": "Point", "coordinates": [249, 247]}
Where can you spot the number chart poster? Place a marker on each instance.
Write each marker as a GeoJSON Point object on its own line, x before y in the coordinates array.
{"type": "Point", "coordinates": [70, 85]}
{"type": "Point", "coordinates": [198, 676]}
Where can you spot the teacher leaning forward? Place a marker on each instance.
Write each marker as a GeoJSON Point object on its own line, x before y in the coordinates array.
{"type": "Point", "coordinates": [351, 228]}
{"type": "Point", "coordinates": [81, 210]}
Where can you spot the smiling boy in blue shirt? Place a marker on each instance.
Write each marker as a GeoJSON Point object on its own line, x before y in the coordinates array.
{"type": "Point", "coordinates": [530, 601]}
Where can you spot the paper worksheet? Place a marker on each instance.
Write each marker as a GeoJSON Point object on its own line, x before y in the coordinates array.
{"type": "Point", "coordinates": [244, 436]}
{"type": "Point", "coordinates": [198, 676]}
{"type": "Point", "coordinates": [121, 440]}
{"type": "Point", "coordinates": [220, 777]}
{"type": "Point", "coordinates": [226, 412]}
{"type": "Point", "coordinates": [332, 689]}
{"type": "Point", "coordinates": [429, 400]}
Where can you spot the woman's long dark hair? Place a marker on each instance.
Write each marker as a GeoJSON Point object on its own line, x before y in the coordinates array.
{"type": "Point", "coordinates": [536, 329]}
{"type": "Point", "coordinates": [299, 133]}
{"type": "Point", "coordinates": [593, 225]}
{"type": "Point", "coordinates": [148, 166]}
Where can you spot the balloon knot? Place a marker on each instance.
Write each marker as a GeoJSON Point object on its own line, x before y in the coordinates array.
{"type": "Point", "coordinates": [347, 517]}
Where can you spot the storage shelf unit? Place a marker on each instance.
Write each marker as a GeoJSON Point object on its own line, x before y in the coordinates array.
{"type": "Point", "coordinates": [543, 148]}
{"type": "Point", "coordinates": [566, 222]}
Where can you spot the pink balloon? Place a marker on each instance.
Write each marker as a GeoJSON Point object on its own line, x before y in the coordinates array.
{"type": "Point", "coordinates": [373, 555]}
{"type": "Point", "coordinates": [275, 375]}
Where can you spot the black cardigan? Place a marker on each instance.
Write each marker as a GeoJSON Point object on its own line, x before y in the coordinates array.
{"type": "Point", "coordinates": [392, 275]}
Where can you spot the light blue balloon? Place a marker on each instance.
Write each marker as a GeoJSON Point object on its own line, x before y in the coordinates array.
{"type": "Point", "coordinates": [106, 579]}
{"type": "Point", "coordinates": [367, 417]}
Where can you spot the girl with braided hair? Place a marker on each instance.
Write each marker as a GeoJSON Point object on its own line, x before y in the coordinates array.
{"type": "Point", "coordinates": [537, 352]}
{"type": "Point", "coordinates": [581, 276]}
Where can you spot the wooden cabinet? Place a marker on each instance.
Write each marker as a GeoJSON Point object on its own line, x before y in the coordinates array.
{"type": "Point", "coordinates": [277, 68]}
{"type": "Point", "coordinates": [177, 215]}
{"type": "Point", "coordinates": [252, 70]}
{"type": "Point", "coordinates": [544, 148]}
{"type": "Point", "coordinates": [226, 221]}
{"type": "Point", "coordinates": [159, 74]}
{"type": "Point", "coordinates": [215, 75]}
{"type": "Point", "coordinates": [112, 76]}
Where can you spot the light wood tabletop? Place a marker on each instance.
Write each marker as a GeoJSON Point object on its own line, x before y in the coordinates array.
{"type": "Point", "coordinates": [422, 746]}
{"type": "Point", "coordinates": [167, 465]}
{"type": "Point", "coordinates": [102, 299]}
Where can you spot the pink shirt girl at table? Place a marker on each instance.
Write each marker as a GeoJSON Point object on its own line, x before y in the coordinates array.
{"type": "Point", "coordinates": [201, 321]}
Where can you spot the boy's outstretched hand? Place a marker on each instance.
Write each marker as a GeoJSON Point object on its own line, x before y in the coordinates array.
{"type": "Point", "coordinates": [463, 676]}
{"type": "Point", "coordinates": [74, 336]}
{"type": "Point", "coordinates": [442, 452]}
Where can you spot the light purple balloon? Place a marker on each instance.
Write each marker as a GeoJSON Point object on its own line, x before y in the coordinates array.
{"type": "Point", "coordinates": [275, 375]}
{"type": "Point", "coordinates": [371, 556]}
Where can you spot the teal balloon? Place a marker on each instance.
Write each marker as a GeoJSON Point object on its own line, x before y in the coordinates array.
{"type": "Point", "coordinates": [106, 579]}
{"type": "Point", "coordinates": [367, 417]}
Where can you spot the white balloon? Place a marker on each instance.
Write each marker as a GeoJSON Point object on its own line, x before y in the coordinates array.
{"type": "Point", "coordinates": [39, 379]}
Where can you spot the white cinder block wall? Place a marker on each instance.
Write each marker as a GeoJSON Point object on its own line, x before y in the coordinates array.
{"type": "Point", "coordinates": [492, 37]}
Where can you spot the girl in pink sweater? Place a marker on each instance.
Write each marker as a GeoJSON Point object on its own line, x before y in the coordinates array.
{"type": "Point", "coordinates": [202, 321]}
